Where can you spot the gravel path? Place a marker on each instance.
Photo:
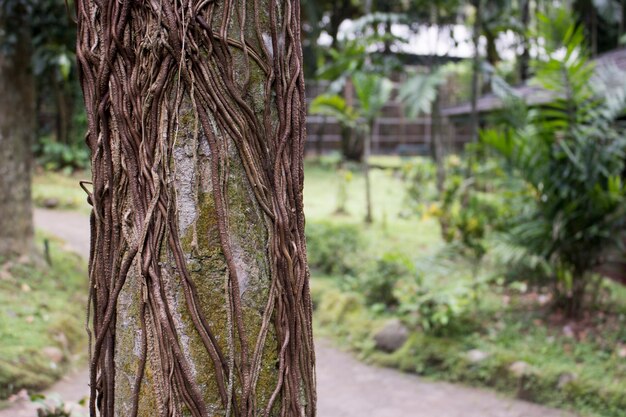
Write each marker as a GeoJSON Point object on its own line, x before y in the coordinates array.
{"type": "Point", "coordinates": [346, 387]}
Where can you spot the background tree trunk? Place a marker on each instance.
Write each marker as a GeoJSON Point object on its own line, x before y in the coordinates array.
{"type": "Point", "coordinates": [199, 281]}
{"type": "Point", "coordinates": [17, 127]}
{"type": "Point", "coordinates": [436, 141]}
{"type": "Point", "coordinates": [524, 60]}
{"type": "Point", "coordinates": [475, 92]}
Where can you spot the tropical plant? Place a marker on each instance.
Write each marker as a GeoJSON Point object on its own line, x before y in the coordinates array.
{"type": "Point", "coordinates": [570, 154]}
{"type": "Point", "coordinates": [377, 282]}
{"type": "Point", "coordinates": [435, 309]}
{"type": "Point", "coordinates": [373, 92]}
{"type": "Point", "coordinates": [420, 90]}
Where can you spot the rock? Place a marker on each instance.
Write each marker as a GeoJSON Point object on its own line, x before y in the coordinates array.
{"type": "Point", "coordinates": [392, 336]}
{"type": "Point", "coordinates": [53, 353]}
{"type": "Point", "coordinates": [519, 368]}
{"type": "Point", "coordinates": [476, 356]}
{"type": "Point", "coordinates": [568, 331]}
{"type": "Point", "coordinates": [544, 299]}
{"type": "Point", "coordinates": [565, 378]}
{"type": "Point", "coordinates": [50, 203]}
{"type": "Point", "coordinates": [22, 395]}
{"type": "Point", "coordinates": [62, 339]}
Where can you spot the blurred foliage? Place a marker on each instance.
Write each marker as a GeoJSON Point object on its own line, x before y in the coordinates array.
{"type": "Point", "coordinates": [333, 248]}
{"type": "Point", "coordinates": [576, 367]}
{"type": "Point", "coordinates": [419, 92]}
{"type": "Point", "coordinates": [570, 154]}
{"type": "Point", "coordinates": [376, 281]}
{"type": "Point", "coordinates": [54, 155]}
{"type": "Point", "coordinates": [42, 306]}
{"type": "Point", "coordinates": [419, 175]}
{"type": "Point", "coordinates": [436, 310]}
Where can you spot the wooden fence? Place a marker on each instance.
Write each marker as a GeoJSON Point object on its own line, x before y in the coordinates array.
{"type": "Point", "coordinates": [393, 132]}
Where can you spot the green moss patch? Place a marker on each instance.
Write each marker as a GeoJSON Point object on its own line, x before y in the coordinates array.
{"type": "Point", "coordinates": [42, 310]}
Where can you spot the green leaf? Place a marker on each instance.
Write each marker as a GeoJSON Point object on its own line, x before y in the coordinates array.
{"type": "Point", "coordinates": [419, 92]}
{"type": "Point", "coordinates": [335, 106]}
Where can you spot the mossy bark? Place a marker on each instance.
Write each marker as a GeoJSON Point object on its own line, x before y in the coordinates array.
{"type": "Point", "coordinates": [197, 225]}
{"type": "Point", "coordinates": [17, 127]}
{"type": "Point", "coordinates": [199, 282]}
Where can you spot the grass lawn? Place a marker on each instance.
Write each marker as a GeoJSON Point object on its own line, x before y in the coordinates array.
{"type": "Point", "coordinates": [394, 228]}
{"type": "Point", "coordinates": [59, 190]}
{"type": "Point", "coordinates": [43, 311]}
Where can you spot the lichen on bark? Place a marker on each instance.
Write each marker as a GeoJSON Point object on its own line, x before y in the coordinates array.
{"type": "Point", "coordinates": [199, 290]}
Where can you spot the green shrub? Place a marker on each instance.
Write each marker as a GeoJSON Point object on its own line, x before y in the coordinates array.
{"type": "Point", "coordinates": [333, 248]}
{"type": "Point", "coordinates": [440, 310]}
{"type": "Point", "coordinates": [53, 155]}
{"type": "Point", "coordinates": [377, 283]}
{"type": "Point", "coordinates": [570, 154]}
{"type": "Point", "coordinates": [420, 174]}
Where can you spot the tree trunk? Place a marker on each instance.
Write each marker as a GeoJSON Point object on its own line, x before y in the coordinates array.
{"type": "Point", "coordinates": [352, 140]}
{"type": "Point", "coordinates": [622, 21]}
{"type": "Point", "coordinates": [199, 283]}
{"type": "Point", "coordinates": [369, 218]}
{"type": "Point", "coordinates": [17, 128]}
{"type": "Point", "coordinates": [436, 145]}
{"type": "Point", "coordinates": [474, 117]}
{"type": "Point", "coordinates": [524, 63]}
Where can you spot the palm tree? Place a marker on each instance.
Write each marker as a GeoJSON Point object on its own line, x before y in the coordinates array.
{"type": "Point", "coordinates": [373, 92]}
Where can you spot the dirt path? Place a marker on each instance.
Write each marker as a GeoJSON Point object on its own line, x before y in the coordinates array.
{"type": "Point", "coordinates": [346, 387]}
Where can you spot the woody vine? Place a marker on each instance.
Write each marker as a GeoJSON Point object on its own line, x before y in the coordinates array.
{"type": "Point", "coordinates": [199, 293]}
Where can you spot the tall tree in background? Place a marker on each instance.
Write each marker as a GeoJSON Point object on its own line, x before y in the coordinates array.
{"type": "Point", "coordinates": [199, 281]}
{"type": "Point", "coordinates": [474, 117]}
{"type": "Point", "coordinates": [17, 127]}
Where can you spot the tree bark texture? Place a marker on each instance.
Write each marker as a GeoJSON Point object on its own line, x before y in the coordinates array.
{"type": "Point", "coordinates": [200, 300]}
{"type": "Point", "coordinates": [17, 127]}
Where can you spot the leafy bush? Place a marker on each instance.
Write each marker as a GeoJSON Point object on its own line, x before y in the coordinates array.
{"type": "Point", "coordinates": [570, 155]}
{"type": "Point", "coordinates": [53, 155]}
{"type": "Point", "coordinates": [332, 248]}
{"type": "Point", "coordinates": [377, 283]}
{"type": "Point", "coordinates": [436, 310]}
{"type": "Point", "coordinates": [419, 174]}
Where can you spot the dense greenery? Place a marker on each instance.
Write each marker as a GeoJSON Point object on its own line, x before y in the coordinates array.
{"type": "Point", "coordinates": [569, 155]}
{"type": "Point", "coordinates": [478, 327]}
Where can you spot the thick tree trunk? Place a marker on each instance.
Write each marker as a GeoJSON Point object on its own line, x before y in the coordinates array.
{"type": "Point", "coordinates": [199, 282]}
{"type": "Point", "coordinates": [17, 127]}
